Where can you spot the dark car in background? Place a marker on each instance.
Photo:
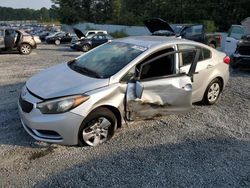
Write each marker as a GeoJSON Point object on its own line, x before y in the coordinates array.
{"type": "Point", "coordinates": [13, 39]}
{"type": "Point", "coordinates": [58, 38]}
{"type": "Point", "coordinates": [241, 57]}
{"type": "Point", "coordinates": [91, 41]}
{"type": "Point", "coordinates": [195, 32]}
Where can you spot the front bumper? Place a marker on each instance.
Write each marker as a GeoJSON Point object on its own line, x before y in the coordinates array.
{"type": "Point", "coordinates": [55, 128]}
{"type": "Point", "coordinates": [241, 60]}
{"type": "Point", "coordinates": [76, 47]}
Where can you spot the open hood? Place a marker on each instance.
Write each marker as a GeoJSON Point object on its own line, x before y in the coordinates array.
{"type": "Point", "coordinates": [157, 24]}
{"type": "Point", "coordinates": [79, 34]}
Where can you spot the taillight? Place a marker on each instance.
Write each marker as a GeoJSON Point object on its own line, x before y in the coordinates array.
{"type": "Point", "coordinates": [227, 60]}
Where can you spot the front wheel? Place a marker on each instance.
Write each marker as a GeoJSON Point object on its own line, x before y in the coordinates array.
{"type": "Point", "coordinates": [85, 47]}
{"type": "Point", "coordinates": [57, 42]}
{"type": "Point", "coordinates": [25, 49]}
{"type": "Point", "coordinates": [212, 92]}
{"type": "Point", "coordinates": [97, 128]}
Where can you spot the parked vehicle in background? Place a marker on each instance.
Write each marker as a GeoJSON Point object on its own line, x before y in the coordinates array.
{"type": "Point", "coordinates": [85, 100]}
{"type": "Point", "coordinates": [235, 33]}
{"type": "Point", "coordinates": [195, 32]}
{"type": "Point", "coordinates": [12, 39]}
{"type": "Point", "coordinates": [91, 41]}
{"type": "Point", "coordinates": [58, 38]}
{"type": "Point", "coordinates": [81, 34]}
{"type": "Point", "coordinates": [241, 56]}
{"type": "Point", "coordinates": [42, 35]}
{"type": "Point", "coordinates": [37, 39]}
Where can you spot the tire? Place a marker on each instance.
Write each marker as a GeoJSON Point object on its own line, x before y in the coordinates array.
{"type": "Point", "coordinates": [86, 47]}
{"type": "Point", "coordinates": [212, 45]}
{"type": "Point", "coordinates": [57, 42]}
{"type": "Point", "coordinates": [212, 92]}
{"type": "Point", "coordinates": [97, 128]}
{"type": "Point", "coordinates": [25, 49]}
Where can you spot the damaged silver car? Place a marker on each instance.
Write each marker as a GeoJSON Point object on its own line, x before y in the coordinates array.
{"type": "Point", "coordinates": [85, 100]}
{"type": "Point", "coordinates": [13, 39]}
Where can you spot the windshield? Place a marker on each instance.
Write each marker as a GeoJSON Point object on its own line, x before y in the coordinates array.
{"type": "Point", "coordinates": [90, 36]}
{"type": "Point", "coordinates": [177, 28]}
{"type": "Point", "coordinates": [55, 34]}
{"type": "Point", "coordinates": [106, 60]}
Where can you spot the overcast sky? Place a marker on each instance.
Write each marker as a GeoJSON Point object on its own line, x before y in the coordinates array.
{"type": "Point", "coordinates": [34, 4]}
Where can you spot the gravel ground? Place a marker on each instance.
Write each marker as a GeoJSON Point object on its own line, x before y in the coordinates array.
{"type": "Point", "coordinates": [207, 147]}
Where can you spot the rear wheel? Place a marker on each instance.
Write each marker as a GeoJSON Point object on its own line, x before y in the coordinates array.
{"type": "Point", "coordinates": [212, 45]}
{"type": "Point", "coordinates": [57, 42]}
{"type": "Point", "coordinates": [85, 47]}
{"type": "Point", "coordinates": [97, 128]}
{"type": "Point", "coordinates": [212, 92]}
{"type": "Point", "coordinates": [25, 49]}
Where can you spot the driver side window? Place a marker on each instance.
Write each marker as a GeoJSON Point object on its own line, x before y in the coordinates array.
{"type": "Point", "coordinates": [157, 65]}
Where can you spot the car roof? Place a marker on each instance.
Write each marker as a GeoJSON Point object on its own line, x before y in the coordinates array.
{"type": "Point", "coordinates": [155, 41]}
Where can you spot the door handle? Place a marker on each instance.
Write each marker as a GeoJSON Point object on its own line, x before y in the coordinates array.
{"type": "Point", "coordinates": [228, 41]}
{"type": "Point", "coordinates": [210, 66]}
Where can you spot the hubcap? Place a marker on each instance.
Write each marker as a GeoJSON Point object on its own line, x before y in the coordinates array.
{"type": "Point", "coordinates": [25, 49]}
{"type": "Point", "coordinates": [97, 133]}
{"type": "Point", "coordinates": [213, 92]}
{"type": "Point", "coordinates": [85, 48]}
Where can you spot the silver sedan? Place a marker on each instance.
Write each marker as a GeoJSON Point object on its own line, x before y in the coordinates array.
{"type": "Point", "coordinates": [85, 100]}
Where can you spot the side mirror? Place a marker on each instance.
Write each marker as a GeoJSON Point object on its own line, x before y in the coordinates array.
{"type": "Point", "coordinates": [138, 89]}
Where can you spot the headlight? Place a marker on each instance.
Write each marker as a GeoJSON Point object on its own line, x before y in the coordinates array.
{"type": "Point", "coordinates": [240, 41]}
{"type": "Point", "coordinates": [61, 105]}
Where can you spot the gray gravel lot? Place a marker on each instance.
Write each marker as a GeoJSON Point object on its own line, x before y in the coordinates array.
{"type": "Point", "coordinates": [206, 147]}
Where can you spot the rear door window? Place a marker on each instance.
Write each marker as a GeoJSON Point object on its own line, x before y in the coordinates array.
{"type": "Point", "coordinates": [188, 57]}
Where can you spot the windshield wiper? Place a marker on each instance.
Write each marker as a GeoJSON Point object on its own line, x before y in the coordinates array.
{"type": "Point", "coordinates": [94, 73]}
{"type": "Point", "coordinates": [85, 71]}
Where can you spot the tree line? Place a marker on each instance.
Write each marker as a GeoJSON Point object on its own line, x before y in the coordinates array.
{"type": "Point", "coordinates": [221, 13]}
{"type": "Point", "coordinates": [43, 15]}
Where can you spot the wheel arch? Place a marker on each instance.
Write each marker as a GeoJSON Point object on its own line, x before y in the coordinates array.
{"type": "Point", "coordinates": [213, 42]}
{"type": "Point", "coordinates": [222, 82]}
{"type": "Point", "coordinates": [114, 110]}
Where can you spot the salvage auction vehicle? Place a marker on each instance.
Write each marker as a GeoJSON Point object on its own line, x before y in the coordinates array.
{"type": "Point", "coordinates": [12, 39]}
{"type": "Point", "coordinates": [195, 32]}
{"type": "Point", "coordinates": [241, 56]}
{"type": "Point", "coordinates": [90, 42]}
{"type": "Point", "coordinates": [86, 99]}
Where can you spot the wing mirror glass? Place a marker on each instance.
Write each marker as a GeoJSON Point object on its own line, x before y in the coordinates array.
{"type": "Point", "coordinates": [138, 89]}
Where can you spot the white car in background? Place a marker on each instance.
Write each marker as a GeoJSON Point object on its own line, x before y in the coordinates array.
{"type": "Point", "coordinates": [236, 32]}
